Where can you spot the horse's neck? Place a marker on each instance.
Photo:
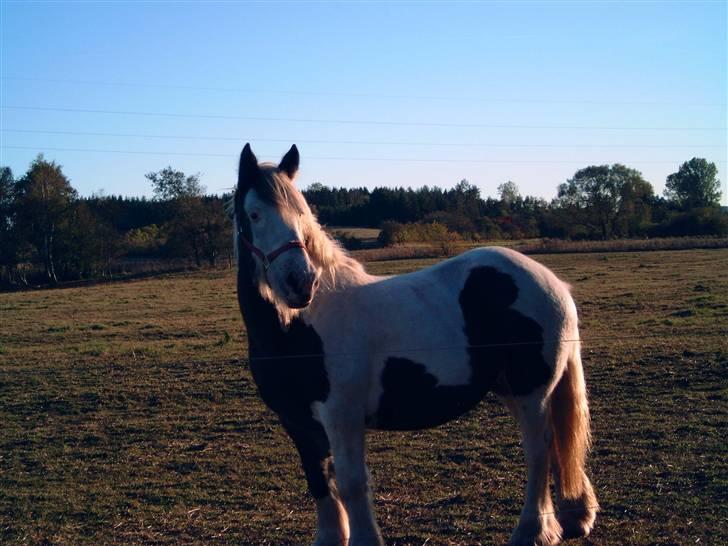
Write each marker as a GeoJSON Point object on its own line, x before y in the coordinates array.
{"type": "Point", "coordinates": [345, 276]}
{"type": "Point", "coordinates": [343, 272]}
{"type": "Point", "coordinates": [260, 315]}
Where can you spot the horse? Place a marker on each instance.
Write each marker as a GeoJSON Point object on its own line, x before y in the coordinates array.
{"type": "Point", "coordinates": [335, 351]}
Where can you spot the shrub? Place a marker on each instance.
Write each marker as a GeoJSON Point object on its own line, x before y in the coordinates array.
{"type": "Point", "coordinates": [391, 234]}
{"type": "Point", "coordinates": [700, 221]}
{"type": "Point", "coordinates": [394, 233]}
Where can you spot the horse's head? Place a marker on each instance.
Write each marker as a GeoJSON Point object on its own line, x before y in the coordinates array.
{"type": "Point", "coordinates": [272, 220]}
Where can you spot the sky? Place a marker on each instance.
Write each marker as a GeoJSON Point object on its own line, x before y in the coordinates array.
{"type": "Point", "coordinates": [373, 93]}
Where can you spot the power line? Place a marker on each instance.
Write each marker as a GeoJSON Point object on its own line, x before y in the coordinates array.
{"type": "Point", "coordinates": [364, 142]}
{"type": "Point", "coordinates": [299, 92]}
{"type": "Point", "coordinates": [336, 158]}
{"type": "Point", "coordinates": [354, 121]}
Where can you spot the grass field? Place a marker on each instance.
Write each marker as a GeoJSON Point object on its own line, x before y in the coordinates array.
{"type": "Point", "coordinates": [364, 234]}
{"type": "Point", "coordinates": [129, 417]}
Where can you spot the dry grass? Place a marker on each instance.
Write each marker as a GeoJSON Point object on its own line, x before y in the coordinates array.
{"type": "Point", "coordinates": [420, 251]}
{"type": "Point", "coordinates": [128, 418]}
{"type": "Point", "coordinates": [365, 234]}
{"type": "Point", "coordinates": [550, 246]}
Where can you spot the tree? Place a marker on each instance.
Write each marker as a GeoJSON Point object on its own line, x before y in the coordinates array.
{"type": "Point", "coordinates": [9, 243]}
{"type": "Point", "coordinates": [695, 184]}
{"type": "Point", "coordinates": [216, 231]}
{"type": "Point", "coordinates": [184, 195]}
{"type": "Point", "coordinates": [169, 184]}
{"type": "Point", "coordinates": [316, 187]}
{"type": "Point", "coordinates": [89, 245]}
{"type": "Point", "coordinates": [199, 225]}
{"type": "Point", "coordinates": [44, 198]}
{"type": "Point", "coordinates": [465, 199]}
{"type": "Point", "coordinates": [508, 193]}
{"type": "Point", "coordinates": [598, 196]}
{"type": "Point", "coordinates": [7, 186]}
{"type": "Point", "coordinates": [635, 208]}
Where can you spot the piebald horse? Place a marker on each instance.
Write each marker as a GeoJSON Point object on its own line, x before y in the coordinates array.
{"type": "Point", "coordinates": [335, 351]}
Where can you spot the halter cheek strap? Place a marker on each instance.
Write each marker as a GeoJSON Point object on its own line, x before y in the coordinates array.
{"type": "Point", "coordinates": [267, 259]}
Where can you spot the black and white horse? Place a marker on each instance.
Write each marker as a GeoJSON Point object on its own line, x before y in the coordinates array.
{"type": "Point", "coordinates": [335, 351]}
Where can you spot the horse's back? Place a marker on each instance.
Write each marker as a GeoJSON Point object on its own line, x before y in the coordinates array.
{"type": "Point", "coordinates": [487, 273]}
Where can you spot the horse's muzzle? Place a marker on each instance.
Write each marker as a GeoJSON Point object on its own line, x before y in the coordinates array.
{"type": "Point", "coordinates": [301, 288]}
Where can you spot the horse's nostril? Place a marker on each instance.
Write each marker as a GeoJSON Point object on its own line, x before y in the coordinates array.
{"type": "Point", "coordinates": [303, 285]}
{"type": "Point", "coordinates": [292, 282]}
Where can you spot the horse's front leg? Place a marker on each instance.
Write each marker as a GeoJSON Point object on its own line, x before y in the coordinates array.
{"type": "Point", "coordinates": [345, 429]}
{"type": "Point", "coordinates": [313, 446]}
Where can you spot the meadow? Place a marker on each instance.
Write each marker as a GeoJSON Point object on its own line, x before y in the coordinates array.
{"type": "Point", "coordinates": [129, 417]}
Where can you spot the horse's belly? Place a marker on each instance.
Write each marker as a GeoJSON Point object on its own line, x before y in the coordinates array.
{"type": "Point", "coordinates": [412, 399]}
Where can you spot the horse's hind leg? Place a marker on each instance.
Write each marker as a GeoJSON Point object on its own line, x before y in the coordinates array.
{"type": "Point", "coordinates": [537, 524]}
{"type": "Point", "coordinates": [313, 446]}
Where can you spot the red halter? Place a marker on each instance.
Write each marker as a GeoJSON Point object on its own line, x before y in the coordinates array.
{"type": "Point", "coordinates": [267, 259]}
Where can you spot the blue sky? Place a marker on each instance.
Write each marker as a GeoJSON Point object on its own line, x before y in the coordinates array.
{"type": "Point", "coordinates": [373, 93]}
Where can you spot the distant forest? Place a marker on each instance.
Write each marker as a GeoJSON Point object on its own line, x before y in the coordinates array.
{"type": "Point", "coordinates": [48, 233]}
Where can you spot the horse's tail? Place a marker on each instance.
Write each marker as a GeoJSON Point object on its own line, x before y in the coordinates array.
{"type": "Point", "coordinates": [571, 428]}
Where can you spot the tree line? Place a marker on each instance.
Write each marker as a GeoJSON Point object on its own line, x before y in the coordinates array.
{"type": "Point", "coordinates": [597, 202]}
{"type": "Point", "coordinates": [48, 233]}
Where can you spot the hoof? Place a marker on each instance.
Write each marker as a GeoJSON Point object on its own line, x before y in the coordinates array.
{"type": "Point", "coordinates": [577, 517]}
{"type": "Point", "coordinates": [543, 531]}
{"type": "Point", "coordinates": [577, 523]}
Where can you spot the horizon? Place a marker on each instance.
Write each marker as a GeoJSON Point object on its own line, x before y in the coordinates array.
{"type": "Point", "coordinates": [414, 95]}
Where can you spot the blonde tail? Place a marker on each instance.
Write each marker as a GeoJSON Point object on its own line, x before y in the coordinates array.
{"type": "Point", "coordinates": [571, 429]}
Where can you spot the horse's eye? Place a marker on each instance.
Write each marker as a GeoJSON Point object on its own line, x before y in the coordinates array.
{"type": "Point", "coordinates": [254, 216]}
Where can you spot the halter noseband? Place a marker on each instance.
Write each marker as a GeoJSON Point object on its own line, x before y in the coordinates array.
{"type": "Point", "coordinates": [267, 259]}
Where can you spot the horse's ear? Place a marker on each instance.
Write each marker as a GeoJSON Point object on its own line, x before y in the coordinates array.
{"type": "Point", "coordinates": [248, 170]}
{"type": "Point", "coordinates": [289, 163]}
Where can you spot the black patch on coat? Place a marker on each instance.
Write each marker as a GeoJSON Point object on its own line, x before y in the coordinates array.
{"type": "Point", "coordinates": [505, 357]}
{"type": "Point", "coordinates": [313, 447]}
{"type": "Point", "coordinates": [505, 346]}
{"type": "Point", "coordinates": [287, 363]}
{"type": "Point", "coordinates": [411, 399]}
{"type": "Point", "coordinates": [288, 368]}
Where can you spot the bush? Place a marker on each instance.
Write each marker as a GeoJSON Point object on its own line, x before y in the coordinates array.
{"type": "Point", "coordinates": [349, 242]}
{"type": "Point", "coordinates": [394, 233]}
{"type": "Point", "coordinates": [391, 234]}
{"type": "Point", "coordinates": [144, 241]}
{"type": "Point", "coordinates": [701, 221]}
